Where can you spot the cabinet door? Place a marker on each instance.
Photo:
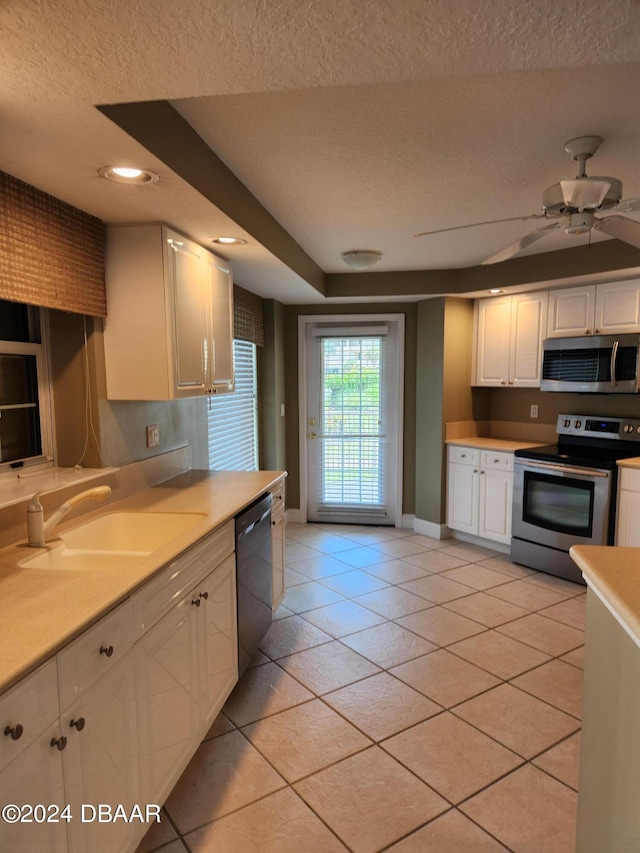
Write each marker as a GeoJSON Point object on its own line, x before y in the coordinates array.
{"type": "Point", "coordinates": [571, 312]}
{"type": "Point", "coordinates": [220, 286]}
{"type": "Point", "coordinates": [528, 321]}
{"type": "Point", "coordinates": [190, 316]}
{"type": "Point", "coordinates": [217, 638]}
{"type": "Point", "coordinates": [493, 328]}
{"type": "Point", "coordinates": [167, 701]}
{"type": "Point", "coordinates": [100, 760]}
{"type": "Point", "coordinates": [277, 557]}
{"type": "Point", "coordinates": [462, 498]}
{"type": "Point", "coordinates": [627, 528]}
{"type": "Point", "coordinates": [35, 777]}
{"type": "Point", "coordinates": [617, 308]}
{"type": "Point", "coordinates": [495, 505]}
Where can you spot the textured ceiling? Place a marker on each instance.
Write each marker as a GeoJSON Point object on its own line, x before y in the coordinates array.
{"type": "Point", "coordinates": [355, 124]}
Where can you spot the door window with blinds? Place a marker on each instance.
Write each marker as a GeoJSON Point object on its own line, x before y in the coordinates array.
{"type": "Point", "coordinates": [25, 427]}
{"type": "Point", "coordinates": [352, 423]}
{"type": "Point", "coordinates": [233, 418]}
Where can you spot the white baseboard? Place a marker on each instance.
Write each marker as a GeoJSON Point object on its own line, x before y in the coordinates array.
{"type": "Point", "coordinates": [408, 521]}
{"type": "Point", "coordinates": [292, 516]}
{"type": "Point", "coordinates": [430, 528]}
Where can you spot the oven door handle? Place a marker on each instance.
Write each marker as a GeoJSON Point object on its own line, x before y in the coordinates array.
{"type": "Point", "coordinates": [562, 469]}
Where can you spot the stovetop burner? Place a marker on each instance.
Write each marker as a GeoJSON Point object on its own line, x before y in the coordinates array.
{"type": "Point", "coordinates": [589, 442]}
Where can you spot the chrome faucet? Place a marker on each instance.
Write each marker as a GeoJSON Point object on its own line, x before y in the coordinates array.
{"type": "Point", "coordinates": [38, 530]}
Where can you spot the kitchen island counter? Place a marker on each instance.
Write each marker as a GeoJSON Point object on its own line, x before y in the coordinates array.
{"type": "Point", "coordinates": [608, 815]}
{"type": "Point", "coordinates": [614, 575]}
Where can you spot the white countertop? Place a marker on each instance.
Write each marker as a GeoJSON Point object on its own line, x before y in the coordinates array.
{"type": "Point", "coordinates": [506, 445]}
{"type": "Point", "coordinates": [633, 462]}
{"type": "Point", "coordinates": [43, 609]}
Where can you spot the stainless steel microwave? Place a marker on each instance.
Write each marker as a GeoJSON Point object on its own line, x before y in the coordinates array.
{"type": "Point", "coordinates": [599, 364]}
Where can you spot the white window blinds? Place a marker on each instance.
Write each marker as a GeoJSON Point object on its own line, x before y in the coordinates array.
{"type": "Point", "coordinates": [233, 418]}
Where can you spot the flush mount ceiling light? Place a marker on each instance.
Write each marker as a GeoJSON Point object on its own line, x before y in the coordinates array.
{"type": "Point", "coordinates": [228, 241]}
{"type": "Point", "coordinates": [496, 290]}
{"type": "Point", "coordinates": [361, 259]}
{"type": "Point", "coordinates": [128, 175]}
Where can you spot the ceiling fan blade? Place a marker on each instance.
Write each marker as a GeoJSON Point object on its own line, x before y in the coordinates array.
{"type": "Point", "coordinates": [627, 230]}
{"type": "Point", "coordinates": [476, 224]}
{"type": "Point", "coordinates": [522, 243]}
{"type": "Point", "coordinates": [628, 205]}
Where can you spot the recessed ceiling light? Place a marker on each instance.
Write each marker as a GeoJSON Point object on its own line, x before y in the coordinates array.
{"type": "Point", "coordinates": [361, 259]}
{"type": "Point", "coordinates": [228, 241]}
{"type": "Point", "coordinates": [128, 175]}
{"type": "Point", "coordinates": [496, 290]}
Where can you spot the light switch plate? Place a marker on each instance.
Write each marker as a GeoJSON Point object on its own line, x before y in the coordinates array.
{"type": "Point", "coordinates": [153, 435]}
{"type": "Point", "coordinates": [534, 412]}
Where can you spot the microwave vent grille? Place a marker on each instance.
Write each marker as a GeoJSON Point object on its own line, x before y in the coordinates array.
{"type": "Point", "coordinates": [575, 365]}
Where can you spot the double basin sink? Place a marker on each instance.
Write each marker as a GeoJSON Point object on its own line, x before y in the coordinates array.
{"type": "Point", "coordinates": [125, 536]}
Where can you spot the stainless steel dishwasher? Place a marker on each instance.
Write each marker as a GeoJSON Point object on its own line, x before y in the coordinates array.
{"type": "Point", "coordinates": [254, 577]}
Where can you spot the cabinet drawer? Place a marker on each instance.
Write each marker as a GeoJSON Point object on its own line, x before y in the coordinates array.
{"type": "Point", "coordinates": [630, 479]}
{"type": "Point", "coordinates": [277, 508]}
{"type": "Point", "coordinates": [165, 590]}
{"type": "Point", "coordinates": [502, 461]}
{"type": "Point", "coordinates": [29, 708]}
{"type": "Point", "coordinates": [464, 455]}
{"type": "Point", "coordinates": [93, 654]}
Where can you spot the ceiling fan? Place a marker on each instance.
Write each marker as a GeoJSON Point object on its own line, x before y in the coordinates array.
{"type": "Point", "coordinates": [573, 205]}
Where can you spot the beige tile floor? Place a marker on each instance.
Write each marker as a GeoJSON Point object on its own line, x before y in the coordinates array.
{"type": "Point", "coordinates": [412, 695]}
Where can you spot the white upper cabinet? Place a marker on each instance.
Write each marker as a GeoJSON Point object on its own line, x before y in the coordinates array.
{"type": "Point", "coordinates": [169, 330]}
{"type": "Point", "coordinates": [598, 309]}
{"type": "Point", "coordinates": [508, 340]}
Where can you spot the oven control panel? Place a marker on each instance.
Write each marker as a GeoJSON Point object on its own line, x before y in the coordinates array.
{"type": "Point", "coordinates": [587, 425]}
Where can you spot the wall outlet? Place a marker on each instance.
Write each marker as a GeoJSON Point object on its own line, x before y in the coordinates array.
{"type": "Point", "coordinates": [153, 435]}
{"type": "Point", "coordinates": [281, 410]}
{"type": "Point", "coordinates": [534, 412]}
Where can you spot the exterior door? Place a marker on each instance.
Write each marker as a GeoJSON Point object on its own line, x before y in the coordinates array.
{"type": "Point", "coordinates": [352, 423]}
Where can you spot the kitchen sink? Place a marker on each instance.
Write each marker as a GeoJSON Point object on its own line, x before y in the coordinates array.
{"type": "Point", "coordinates": [143, 532]}
{"type": "Point", "coordinates": [114, 538]}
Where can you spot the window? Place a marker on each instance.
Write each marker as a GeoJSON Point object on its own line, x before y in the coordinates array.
{"type": "Point", "coordinates": [233, 418]}
{"type": "Point", "coordinates": [25, 426]}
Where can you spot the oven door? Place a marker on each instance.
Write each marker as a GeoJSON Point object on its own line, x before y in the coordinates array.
{"type": "Point", "coordinates": [561, 505]}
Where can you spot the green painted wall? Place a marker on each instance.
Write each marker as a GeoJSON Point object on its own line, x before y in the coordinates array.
{"type": "Point", "coordinates": [443, 394]}
{"type": "Point", "coordinates": [271, 389]}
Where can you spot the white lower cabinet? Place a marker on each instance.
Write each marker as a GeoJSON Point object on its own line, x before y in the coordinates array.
{"type": "Point", "coordinates": [627, 528]}
{"type": "Point", "coordinates": [479, 492]}
{"type": "Point", "coordinates": [186, 667]}
{"type": "Point", "coordinates": [112, 723]}
{"type": "Point", "coordinates": [166, 672]}
{"type": "Point", "coordinates": [31, 764]}
{"type": "Point", "coordinates": [217, 641]}
{"type": "Point", "coordinates": [101, 760]}
{"type": "Point", "coordinates": [277, 545]}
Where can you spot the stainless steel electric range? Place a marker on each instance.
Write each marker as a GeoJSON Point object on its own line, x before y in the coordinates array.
{"type": "Point", "coordinates": [564, 494]}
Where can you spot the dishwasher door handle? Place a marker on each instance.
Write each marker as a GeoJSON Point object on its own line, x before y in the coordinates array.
{"type": "Point", "coordinates": [254, 524]}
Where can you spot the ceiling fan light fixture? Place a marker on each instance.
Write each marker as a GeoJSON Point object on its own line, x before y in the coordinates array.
{"type": "Point", "coordinates": [361, 259]}
{"type": "Point", "coordinates": [580, 223]}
